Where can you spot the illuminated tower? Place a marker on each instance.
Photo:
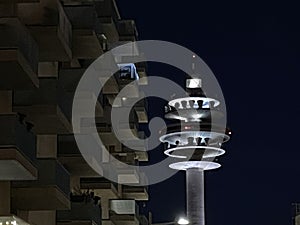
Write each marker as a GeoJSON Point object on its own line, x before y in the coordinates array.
{"type": "Point", "coordinates": [194, 142]}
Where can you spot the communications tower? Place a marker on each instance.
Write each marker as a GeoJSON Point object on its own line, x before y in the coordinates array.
{"type": "Point", "coordinates": [194, 141]}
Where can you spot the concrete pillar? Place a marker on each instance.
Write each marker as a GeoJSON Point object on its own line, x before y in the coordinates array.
{"type": "Point", "coordinates": [46, 146]}
{"type": "Point", "coordinates": [120, 190]}
{"type": "Point", "coordinates": [75, 185]}
{"type": "Point", "coordinates": [105, 207]}
{"type": "Point", "coordinates": [195, 196]}
{"type": "Point", "coordinates": [5, 101]}
{"type": "Point", "coordinates": [4, 198]}
{"type": "Point", "coordinates": [48, 69]}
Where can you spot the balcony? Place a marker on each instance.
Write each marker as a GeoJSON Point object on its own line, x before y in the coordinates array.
{"type": "Point", "coordinates": [106, 133]}
{"type": "Point", "coordinates": [128, 176]}
{"type": "Point", "coordinates": [136, 193]}
{"type": "Point", "coordinates": [141, 114]}
{"type": "Point", "coordinates": [127, 30]}
{"type": "Point", "coordinates": [108, 15]}
{"type": "Point", "coordinates": [17, 149]}
{"type": "Point", "coordinates": [83, 211]}
{"type": "Point", "coordinates": [127, 35]}
{"type": "Point", "coordinates": [85, 41]}
{"type": "Point", "coordinates": [69, 79]}
{"type": "Point", "coordinates": [38, 13]}
{"type": "Point", "coordinates": [107, 222]}
{"type": "Point", "coordinates": [101, 186]}
{"type": "Point", "coordinates": [51, 187]}
{"type": "Point", "coordinates": [104, 70]}
{"type": "Point", "coordinates": [125, 157]}
{"type": "Point", "coordinates": [108, 137]}
{"type": "Point", "coordinates": [139, 155]}
{"type": "Point", "coordinates": [110, 103]}
{"type": "Point", "coordinates": [70, 157]}
{"type": "Point", "coordinates": [127, 53]}
{"type": "Point", "coordinates": [49, 108]}
{"type": "Point", "coordinates": [50, 27]}
{"type": "Point", "coordinates": [143, 75]}
{"type": "Point", "coordinates": [123, 212]}
{"type": "Point", "coordinates": [107, 9]}
{"type": "Point", "coordinates": [111, 86]}
{"type": "Point", "coordinates": [12, 220]}
{"type": "Point", "coordinates": [18, 56]}
{"type": "Point", "coordinates": [131, 176]}
{"type": "Point", "coordinates": [141, 108]}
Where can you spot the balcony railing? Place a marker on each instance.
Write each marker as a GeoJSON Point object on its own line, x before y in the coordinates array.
{"type": "Point", "coordinates": [18, 55]}
{"type": "Point", "coordinates": [83, 210]}
{"type": "Point", "coordinates": [69, 79]}
{"type": "Point", "coordinates": [101, 186]}
{"type": "Point", "coordinates": [51, 29]}
{"type": "Point", "coordinates": [137, 193]}
{"type": "Point", "coordinates": [49, 107]}
{"type": "Point", "coordinates": [52, 187]}
{"type": "Point", "coordinates": [82, 16]}
{"type": "Point", "coordinates": [124, 212]}
{"type": "Point", "coordinates": [124, 207]}
{"type": "Point", "coordinates": [108, 15]}
{"type": "Point", "coordinates": [70, 157]}
{"type": "Point", "coordinates": [17, 149]}
{"type": "Point", "coordinates": [127, 30]}
{"type": "Point", "coordinates": [51, 173]}
{"type": "Point", "coordinates": [15, 133]}
{"type": "Point", "coordinates": [107, 9]}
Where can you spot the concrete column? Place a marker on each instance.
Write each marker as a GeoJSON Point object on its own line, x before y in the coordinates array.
{"type": "Point", "coordinates": [120, 190]}
{"type": "Point", "coordinates": [4, 198]}
{"type": "Point", "coordinates": [48, 69]}
{"type": "Point", "coordinates": [46, 145]}
{"type": "Point", "coordinates": [195, 196]}
{"type": "Point", "coordinates": [5, 101]}
{"type": "Point", "coordinates": [75, 185]}
{"type": "Point", "coordinates": [105, 207]}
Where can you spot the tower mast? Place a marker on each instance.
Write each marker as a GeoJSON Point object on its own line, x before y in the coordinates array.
{"type": "Point", "coordinates": [194, 143]}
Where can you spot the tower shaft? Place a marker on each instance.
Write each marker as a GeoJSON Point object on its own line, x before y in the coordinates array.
{"type": "Point", "coordinates": [195, 196]}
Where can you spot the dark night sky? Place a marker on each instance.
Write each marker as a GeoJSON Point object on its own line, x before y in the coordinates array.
{"type": "Point", "coordinates": [254, 51]}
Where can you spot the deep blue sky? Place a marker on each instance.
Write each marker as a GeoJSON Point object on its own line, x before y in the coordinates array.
{"type": "Point", "coordinates": [254, 51]}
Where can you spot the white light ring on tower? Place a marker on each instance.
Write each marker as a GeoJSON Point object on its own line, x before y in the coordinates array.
{"type": "Point", "coordinates": [187, 99]}
{"type": "Point", "coordinates": [204, 165]}
{"type": "Point", "coordinates": [216, 151]}
{"type": "Point", "coordinates": [202, 134]}
{"type": "Point", "coordinates": [195, 115]}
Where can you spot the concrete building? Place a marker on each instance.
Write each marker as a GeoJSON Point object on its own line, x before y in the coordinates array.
{"type": "Point", "coordinates": [45, 47]}
{"type": "Point", "coordinates": [296, 213]}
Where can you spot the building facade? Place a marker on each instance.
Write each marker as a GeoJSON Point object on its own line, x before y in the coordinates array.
{"type": "Point", "coordinates": [45, 47]}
